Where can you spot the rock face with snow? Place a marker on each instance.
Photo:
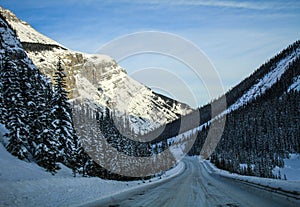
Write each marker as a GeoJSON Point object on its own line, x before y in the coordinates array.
{"type": "Point", "coordinates": [98, 80]}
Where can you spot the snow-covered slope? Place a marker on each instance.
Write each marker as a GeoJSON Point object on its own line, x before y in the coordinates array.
{"type": "Point", "coordinates": [296, 84]}
{"type": "Point", "coordinates": [11, 47]}
{"type": "Point", "coordinates": [254, 86]}
{"type": "Point", "coordinates": [27, 184]}
{"type": "Point", "coordinates": [25, 32]}
{"type": "Point", "coordinates": [267, 81]}
{"type": "Point", "coordinates": [98, 80]}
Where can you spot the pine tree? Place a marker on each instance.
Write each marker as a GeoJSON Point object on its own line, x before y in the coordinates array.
{"type": "Point", "coordinates": [47, 146]}
{"type": "Point", "coordinates": [64, 131]}
{"type": "Point", "coordinates": [46, 152]}
{"type": "Point", "coordinates": [13, 108]}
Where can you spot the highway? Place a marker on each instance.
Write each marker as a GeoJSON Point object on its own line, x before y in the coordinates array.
{"type": "Point", "coordinates": [197, 186]}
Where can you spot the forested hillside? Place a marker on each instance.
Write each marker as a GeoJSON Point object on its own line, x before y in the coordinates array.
{"type": "Point", "coordinates": [36, 115]}
{"type": "Point", "coordinates": [259, 134]}
{"type": "Point", "coordinates": [39, 120]}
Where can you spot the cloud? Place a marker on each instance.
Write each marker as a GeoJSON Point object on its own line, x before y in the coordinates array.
{"type": "Point", "coordinates": [243, 4]}
{"type": "Point", "coordinates": [231, 4]}
{"type": "Point", "coordinates": [255, 5]}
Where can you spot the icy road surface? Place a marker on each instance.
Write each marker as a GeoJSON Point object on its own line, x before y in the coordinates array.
{"type": "Point", "coordinates": [197, 186]}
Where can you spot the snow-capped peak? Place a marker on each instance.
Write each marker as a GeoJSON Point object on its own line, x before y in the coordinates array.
{"type": "Point", "coordinates": [24, 31]}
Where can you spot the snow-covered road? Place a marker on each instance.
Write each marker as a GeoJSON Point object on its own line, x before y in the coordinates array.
{"type": "Point", "coordinates": [198, 186]}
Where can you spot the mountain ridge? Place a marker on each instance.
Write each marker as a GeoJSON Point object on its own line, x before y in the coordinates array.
{"type": "Point", "coordinates": [248, 89]}
{"type": "Point", "coordinates": [262, 121]}
{"type": "Point", "coordinates": [88, 78]}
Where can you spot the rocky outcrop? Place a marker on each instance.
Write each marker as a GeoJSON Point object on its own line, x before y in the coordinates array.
{"type": "Point", "coordinates": [98, 80]}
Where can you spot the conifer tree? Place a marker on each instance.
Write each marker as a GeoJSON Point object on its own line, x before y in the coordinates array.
{"type": "Point", "coordinates": [14, 113]}
{"type": "Point", "coordinates": [47, 146]}
{"type": "Point", "coordinates": [64, 131]}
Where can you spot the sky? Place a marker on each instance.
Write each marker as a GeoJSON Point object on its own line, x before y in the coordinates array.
{"type": "Point", "coordinates": [235, 36]}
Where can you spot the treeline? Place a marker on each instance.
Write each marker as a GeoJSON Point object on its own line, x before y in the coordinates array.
{"type": "Point", "coordinates": [110, 143]}
{"type": "Point", "coordinates": [260, 136]}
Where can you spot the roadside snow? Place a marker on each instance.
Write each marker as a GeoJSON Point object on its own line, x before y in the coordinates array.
{"type": "Point", "coordinates": [291, 168]}
{"type": "Point", "coordinates": [285, 185]}
{"type": "Point", "coordinates": [27, 184]}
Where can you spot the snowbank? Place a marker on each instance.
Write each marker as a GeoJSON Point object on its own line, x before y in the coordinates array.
{"type": "Point", "coordinates": [291, 168]}
{"type": "Point", "coordinates": [27, 184]}
{"type": "Point", "coordinates": [283, 185]}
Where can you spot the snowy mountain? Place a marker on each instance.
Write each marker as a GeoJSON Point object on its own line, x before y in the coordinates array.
{"type": "Point", "coordinates": [269, 79]}
{"type": "Point", "coordinates": [279, 70]}
{"type": "Point", "coordinates": [262, 120]}
{"type": "Point", "coordinates": [98, 80]}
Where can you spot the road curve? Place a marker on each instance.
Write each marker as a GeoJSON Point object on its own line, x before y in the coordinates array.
{"type": "Point", "coordinates": [195, 186]}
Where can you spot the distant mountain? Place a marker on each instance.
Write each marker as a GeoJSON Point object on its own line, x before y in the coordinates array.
{"type": "Point", "coordinates": [98, 80]}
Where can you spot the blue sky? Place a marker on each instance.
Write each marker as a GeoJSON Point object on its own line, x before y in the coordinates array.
{"type": "Point", "coordinates": [237, 36]}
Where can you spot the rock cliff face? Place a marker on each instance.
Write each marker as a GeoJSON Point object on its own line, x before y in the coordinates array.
{"type": "Point", "coordinates": [98, 80]}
